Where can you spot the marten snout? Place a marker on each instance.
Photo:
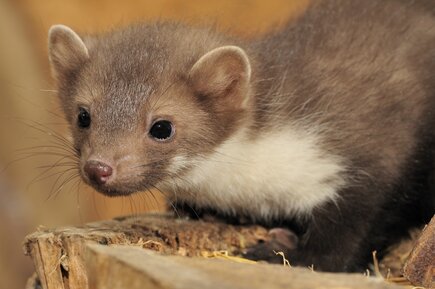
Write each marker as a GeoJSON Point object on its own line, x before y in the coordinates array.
{"type": "Point", "coordinates": [98, 172]}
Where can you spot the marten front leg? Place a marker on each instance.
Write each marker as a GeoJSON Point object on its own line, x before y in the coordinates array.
{"type": "Point", "coordinates": [335, 239]}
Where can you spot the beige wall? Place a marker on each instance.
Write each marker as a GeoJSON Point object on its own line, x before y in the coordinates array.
{"type": "Point", "coordinates": [26, 103]}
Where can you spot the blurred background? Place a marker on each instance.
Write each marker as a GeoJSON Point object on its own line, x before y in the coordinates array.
{"type": "Point", "coordinates": [38, 185]}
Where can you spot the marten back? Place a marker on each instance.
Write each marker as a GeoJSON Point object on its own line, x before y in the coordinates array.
{"type": "Point", "coordinates": [363, 73]}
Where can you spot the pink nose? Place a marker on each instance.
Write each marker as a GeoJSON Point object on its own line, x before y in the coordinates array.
{"type": "Point", "coordinates": [98, 172]}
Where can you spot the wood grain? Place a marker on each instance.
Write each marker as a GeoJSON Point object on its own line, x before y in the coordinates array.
{"type": "Point", "coordinates": [127, 267]}
{"type": "Point", "coordinates": [420, 266]}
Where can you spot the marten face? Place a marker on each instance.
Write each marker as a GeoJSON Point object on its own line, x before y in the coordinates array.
{"type": "Point", "coordinates": [127, 142]}
{"type": "Point", "coordinates": [141, 116]}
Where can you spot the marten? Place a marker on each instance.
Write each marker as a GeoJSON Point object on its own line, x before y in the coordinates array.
{"type": "Point", "coordinates": [322, 130]}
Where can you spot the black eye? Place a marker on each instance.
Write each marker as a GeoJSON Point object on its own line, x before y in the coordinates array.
{"type": "Point", "coordinates": [162, 130]}
{"type": "Point", "coordinates": [84, 118]}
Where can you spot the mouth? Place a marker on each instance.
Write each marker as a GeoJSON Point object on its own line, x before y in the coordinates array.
{"type": "Point", "coordinates": [110, 190]}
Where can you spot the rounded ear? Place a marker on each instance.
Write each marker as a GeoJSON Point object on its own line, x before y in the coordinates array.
{"type": "Point", "coordinates": [66, 50]}
{"type": "Point", "coordinates": [224, 74]}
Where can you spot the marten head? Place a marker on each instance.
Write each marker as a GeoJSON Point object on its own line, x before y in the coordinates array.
{"type": "Point", "coordinates": [143, 103]}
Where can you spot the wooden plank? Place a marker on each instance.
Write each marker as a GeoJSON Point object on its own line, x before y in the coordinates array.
{"type": "Point", "coordinates": [118, 267]}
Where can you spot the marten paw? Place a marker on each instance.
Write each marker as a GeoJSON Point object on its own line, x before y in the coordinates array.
{"type": "Point", "coordinates": [278, 240]}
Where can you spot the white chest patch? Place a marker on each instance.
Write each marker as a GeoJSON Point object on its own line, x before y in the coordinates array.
{"type": "Point", "coordinates": [281, 174]}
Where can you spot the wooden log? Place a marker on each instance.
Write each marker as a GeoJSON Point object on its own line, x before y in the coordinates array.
{"type": "Point", "coordinates": [120, 267]}
{"type": "Point", "coordinates": [420, 266]}
{"type": "Point", "coordinates": [58, 254]}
